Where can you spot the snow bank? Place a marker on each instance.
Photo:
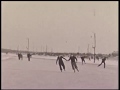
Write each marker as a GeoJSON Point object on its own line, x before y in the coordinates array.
{"type": "Point", "coordinates": [7, 56]}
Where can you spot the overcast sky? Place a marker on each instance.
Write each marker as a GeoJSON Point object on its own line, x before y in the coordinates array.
{"type": "Point", "coordinates": [62, 26]}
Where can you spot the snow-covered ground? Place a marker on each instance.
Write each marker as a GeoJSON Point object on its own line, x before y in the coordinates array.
{"type": "Point", "coordinates": [7, 56]}
{"type": "Point", "coordinates": [43, 73]}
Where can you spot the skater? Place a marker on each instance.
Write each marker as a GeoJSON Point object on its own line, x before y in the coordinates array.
{"type": "Point", "coordinates": [29, 56]}
{"type": "Point", "coordinates": [89, 59]}
{"type": "Point", "coordinates": [61, 63]}
{"type": "Point", "coordinates": [83, 59]}
{"type": "Point", "coordinates": [18, 56]}
{"type": "Point", "coordinates": [73, 62]}
{"type": "Point", "coordinates": [97, 58]}
{"type": "Point", "coordinates": [103, 61]}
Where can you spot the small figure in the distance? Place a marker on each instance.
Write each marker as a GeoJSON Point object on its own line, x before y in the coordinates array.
{"type": "Point", "coordinates": [103, 61]}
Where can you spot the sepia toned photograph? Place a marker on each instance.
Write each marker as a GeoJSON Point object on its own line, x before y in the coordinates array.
{"type": "Point", "coordinates": [59, 45]}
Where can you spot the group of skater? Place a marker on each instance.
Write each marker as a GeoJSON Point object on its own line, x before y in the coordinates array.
{"type": "Point", "coordinates": [60, 58]}
{"type": "Point", "coordinates": [20, 56]}
{"type": "Point", "coordinates": [73, 60]}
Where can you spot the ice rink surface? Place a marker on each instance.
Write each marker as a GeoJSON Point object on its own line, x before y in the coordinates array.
{"type": "Point", "coordinates": [43, 73]}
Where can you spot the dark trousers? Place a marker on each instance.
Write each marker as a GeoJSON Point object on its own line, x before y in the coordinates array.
{"type": "Point", "coordinates": [83, 61]}
{"type": "Point", "coordinates": [101, 64]}
{"type": "Point", "coordinates": [19, 58]}
{"type": "Point", "coordinates": [74, 66]}
{"type": "Point", "coordinates": [28, 58]}
{"type": "Point", "coordinates": [61, 65]}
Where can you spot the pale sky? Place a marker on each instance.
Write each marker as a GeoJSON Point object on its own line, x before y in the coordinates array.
{"type": "Point", "coordinates": [61, 25]}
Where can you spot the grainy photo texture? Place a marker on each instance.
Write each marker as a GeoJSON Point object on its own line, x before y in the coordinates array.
{"type": "Point", "coordinates": [59, 45]}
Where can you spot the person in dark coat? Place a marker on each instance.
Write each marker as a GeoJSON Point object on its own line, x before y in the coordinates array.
{"type": "Point", "coordinates": [29, 56]}
{"type": "Point", "coordinates": [73, 62]}
{"type": "Point", "coordinates": [18, 56]}
{"type": "Point", "coordinates": [103, 61]}
{"type": "Point", "coordinates": [97, 58]}
{"type": "Point", "coordinates": [83, 59]}
{"type": "Point", "coordinates": [61, 63]}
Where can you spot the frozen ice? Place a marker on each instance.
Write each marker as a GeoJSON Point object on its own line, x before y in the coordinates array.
{"type": "Point", "coordinates": [43, 73]}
